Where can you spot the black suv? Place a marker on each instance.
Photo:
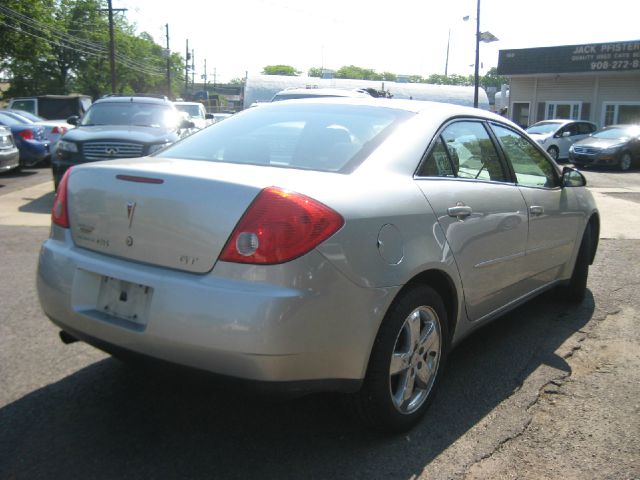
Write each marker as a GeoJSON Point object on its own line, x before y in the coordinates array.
{"type": "Point", "coordinates": [119, 127]}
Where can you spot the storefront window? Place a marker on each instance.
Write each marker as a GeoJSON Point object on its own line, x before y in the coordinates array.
{"type": "Point", "coordinates": [621, 113]}
{"type": "Point", "coordinates": [568, 110]}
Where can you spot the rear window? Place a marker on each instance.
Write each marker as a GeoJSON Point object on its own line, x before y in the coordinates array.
{"type": "Point", "coordinates": [319, 137]}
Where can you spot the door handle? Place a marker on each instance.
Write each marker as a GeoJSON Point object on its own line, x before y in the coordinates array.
{"type": "Point", "coordinates": [459, 211]}
{"type": "Point", "coordinates": [536, 210]}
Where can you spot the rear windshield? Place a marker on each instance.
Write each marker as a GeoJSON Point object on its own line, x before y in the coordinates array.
{"type": "Point", "coordinates": [332, 138]}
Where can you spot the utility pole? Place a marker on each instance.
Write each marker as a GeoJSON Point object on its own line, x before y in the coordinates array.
{"type": "Point", "coordinates": [476, 72]}
{"type": "Point", "coordinates": [168, 64]}
{"type": "Point", "coordinates": [193, 69]}
{"type": "Point", "coordinates": [205, 75]}
{"type": "Point", "coordinates": [186, 67]}
{"type": "Point", "coordinates": [112, 50]}
{"type": "Point", "coordinates": [112, 43]}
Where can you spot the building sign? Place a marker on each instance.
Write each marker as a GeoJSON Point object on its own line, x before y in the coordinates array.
{"type": "Point", "coordinates": [595, 57]}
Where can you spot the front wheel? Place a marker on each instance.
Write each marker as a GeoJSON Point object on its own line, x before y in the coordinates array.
{"type": "Point", "coordinates": [625, 162]}
{"type": "Point", "coordinates": [406, 362]}
{"type": "Point", "coordinates": [554, 152]}
{"type": "Point", "coordinates": [577, 287]}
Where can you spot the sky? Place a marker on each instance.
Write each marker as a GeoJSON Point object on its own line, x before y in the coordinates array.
{"type": "Point", "coordinates": [406, 37]}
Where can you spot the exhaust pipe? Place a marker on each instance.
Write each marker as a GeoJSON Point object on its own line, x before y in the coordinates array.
{"type": "Point", "coordinates": [67, 338]}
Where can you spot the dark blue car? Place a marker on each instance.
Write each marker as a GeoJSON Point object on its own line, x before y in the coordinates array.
{"type": "Point", "coordinates": [29, 138]}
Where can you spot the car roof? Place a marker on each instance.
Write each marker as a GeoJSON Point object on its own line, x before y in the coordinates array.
{"type": "Point", "coordinates": [336, 92]}
{"type": "Point", "coordinates": [415, 106]}
{"type": "Point", "coordinates": [187, 103]}
{"type": "Point", "coordinates": [133, 99]}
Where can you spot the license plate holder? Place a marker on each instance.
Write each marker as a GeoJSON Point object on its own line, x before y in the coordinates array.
{"type": "Point", "coordinates": [124, 300]}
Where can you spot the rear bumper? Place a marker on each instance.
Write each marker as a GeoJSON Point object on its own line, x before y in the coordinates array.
{"type": "Point", "coordinates": [33, 152]}
{"type": "Point", "coordinates": [300, 323]}
{"type": "Point", "coordinates": [9, 159]}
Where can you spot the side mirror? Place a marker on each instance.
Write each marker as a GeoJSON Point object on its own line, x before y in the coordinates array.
{"type": "Point", "coordinates": [566, 134]}
{"type": "Point", "coordinates": [187, 124]}
{"type": "Point", "coordinates": [573, 178]}
{"type": "Point", "coordinates": [208, 116]}
{"type": "Point", "coordinates": [73, 120]}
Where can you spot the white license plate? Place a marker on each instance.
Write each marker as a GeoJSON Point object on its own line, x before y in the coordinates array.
{"type": "Point", "coordinates": [125, 300]}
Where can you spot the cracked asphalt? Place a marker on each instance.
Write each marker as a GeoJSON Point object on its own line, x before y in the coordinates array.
{"type": "Point", "coordinates": [549, 391]}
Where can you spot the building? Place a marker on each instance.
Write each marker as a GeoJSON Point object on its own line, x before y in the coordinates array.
{"type": "Point", "coordinates": [262, 88]}
{"type": "Point", "coordinates": [598, 82]}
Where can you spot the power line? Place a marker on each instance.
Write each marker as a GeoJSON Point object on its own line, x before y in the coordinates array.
{"type": "Point", "coordinates": [73, 43]}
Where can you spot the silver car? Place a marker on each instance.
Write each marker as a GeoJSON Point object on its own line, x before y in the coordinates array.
{"type": "Point", "coordinates": [318, 245]}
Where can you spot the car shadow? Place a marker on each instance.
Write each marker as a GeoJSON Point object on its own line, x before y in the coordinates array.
{"type": "Point", "coordinates": [110, 420]}
{"type": "Point", "coordinates": [42, 204]}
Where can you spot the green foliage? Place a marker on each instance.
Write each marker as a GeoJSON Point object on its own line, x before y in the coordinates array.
{"type": "Point", "coordinates": [62, 47]}
{"type": "Point", "coordinates": [236, 81]}
{"type": "Point", "coordinates": [280, 70]}
{"type": "Point", "coordinates": [351, 71]}
{"type": "Point", "coordinates": [492, 79]}
{"type": "Point", "coordinates": [315, 72]}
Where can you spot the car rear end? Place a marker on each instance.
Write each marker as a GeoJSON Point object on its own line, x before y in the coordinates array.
{"type": "Point", "coordinates": [32, 143]}
{"type": "Point", "coordinates": [176, 260]}
{"type": "Point", "coordinates": [9, 154]}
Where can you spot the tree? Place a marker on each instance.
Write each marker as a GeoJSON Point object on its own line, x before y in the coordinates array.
{"type": "Point", "coordinates": [357, 73]}
{"type": "Point", "coordinates": [61, 46]}
{"type": "Point", "coordinates": [315, 72]}
{"type": "Point", "coordinates": [280, 70]}
{"type": "Point", "coordinates": [492, 79]}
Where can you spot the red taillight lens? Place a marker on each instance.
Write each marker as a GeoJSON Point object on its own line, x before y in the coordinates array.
{"type": "Point", "coordinates": [59, 211]}
{"type": "Point", "coordinates": [279, 226]}
{"type": "Point", "coordinates": [26, 134]}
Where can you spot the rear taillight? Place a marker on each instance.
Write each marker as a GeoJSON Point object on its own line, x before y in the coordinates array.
{"type": "Point", "coordinates": [279, 226]}
{"type": "Point", "coordinates": [26, 134]}
{"type": "Point", "coordinates": [59, 211]}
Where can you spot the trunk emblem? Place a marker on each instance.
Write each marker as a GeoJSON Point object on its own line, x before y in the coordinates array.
{"type": "Point", "coordinates": [131, 209]}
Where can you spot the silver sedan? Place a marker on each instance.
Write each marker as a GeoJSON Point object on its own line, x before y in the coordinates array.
{"type": "Point", "coordinates": [318, 245]}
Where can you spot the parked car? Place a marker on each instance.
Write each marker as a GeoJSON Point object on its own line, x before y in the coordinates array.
{"type": "Point", "coordinates": [28, 137]}
{"type": "Point", "coordinates": [53, 129]}
{"type": "Point", "coordinates": [52, 107]}
{"type": "Point", "coordinates": [318, 245]}
{"type": "Point", "coordinates": [119, 127]}
{"type": "Point", "coordinates": [296, 93]}
{"type": "Point", "coordinates": [556, 136]}
{"type": "Point", "coordinates": [615, 145]}
{"type": "Point", "coordinates": [198, 115]}
{"type": "Point", "coordinates": [9, 154]}
{"type": "Point", "coordinates": [218, 117]}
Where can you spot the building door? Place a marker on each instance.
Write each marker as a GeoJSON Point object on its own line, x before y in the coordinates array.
{"type": "Point", "coordinates": [521, 114]}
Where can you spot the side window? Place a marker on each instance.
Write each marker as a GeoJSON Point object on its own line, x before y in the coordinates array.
{"type": "Point", "coordinates": [437, 163]}
{"type": "Point", "coordinates": [26, 105]}
{"type": "Point", "coordinates": [472, 152]}
{"type": "Point", "coordinates": [531, 167]}
{"type": "Point", "coordinates": [585, 128]}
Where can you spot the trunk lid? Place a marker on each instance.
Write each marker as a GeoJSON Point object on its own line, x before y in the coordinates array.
{"type": "Point", "coordinates": [175, 214]}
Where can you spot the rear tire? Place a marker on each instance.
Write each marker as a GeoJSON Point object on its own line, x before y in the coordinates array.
{"type": "Point", "coordinates": [406, 362]}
